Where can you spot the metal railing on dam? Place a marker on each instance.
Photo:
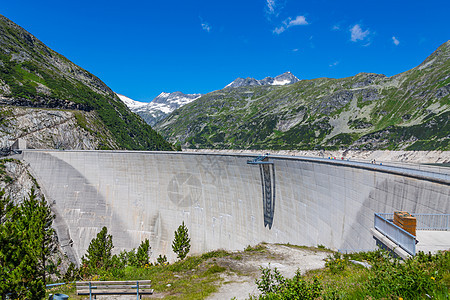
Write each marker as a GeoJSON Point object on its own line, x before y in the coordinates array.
{"type": "Point", "coordinates": [399, 236]}
{"type": "Point", "coordinates": [225, 202]}
{"type": "Point", "coordinates": [440, 222]}
{"type": "Point", "coordinates": [429, 172]}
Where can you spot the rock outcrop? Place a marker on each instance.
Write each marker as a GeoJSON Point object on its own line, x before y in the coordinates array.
{"type": "Point", "coordinates": [52, 129]}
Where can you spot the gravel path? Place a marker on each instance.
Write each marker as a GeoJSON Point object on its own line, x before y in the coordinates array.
{"type": "Point", "coordinates": [285, 258]}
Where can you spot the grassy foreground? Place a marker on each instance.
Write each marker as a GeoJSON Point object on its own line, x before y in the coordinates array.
{"type": "Point", "coordinates": [422, 277]}
{"type": "Point", "coordinates": [195, 277]}
{"type": "Point", "coordinates": [365, 275]}
{"type": "Point", "coordinates": [425, 276]}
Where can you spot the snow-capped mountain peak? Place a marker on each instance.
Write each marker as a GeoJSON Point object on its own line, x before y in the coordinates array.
{"type": "Point", "coordinates": [160, 107]}
{"type": "Point", "coordinates": [283, 79]}
{"type": "Point", "coordinates": [175, 99]}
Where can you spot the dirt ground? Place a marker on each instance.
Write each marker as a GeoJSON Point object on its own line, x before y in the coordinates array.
{"type": "Point", "coordinates": [243, 268]}
{"type": "Point", "coordinates": [240, 282]}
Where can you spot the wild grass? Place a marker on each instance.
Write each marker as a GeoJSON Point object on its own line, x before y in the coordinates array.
{"type": "Point", "coordinates": [423, 277]}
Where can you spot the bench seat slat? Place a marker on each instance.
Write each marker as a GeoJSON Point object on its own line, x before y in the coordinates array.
{"type": "Point", "coordinates": [128, 287]}
{"type": "Point", "coordinates": [116, 291]}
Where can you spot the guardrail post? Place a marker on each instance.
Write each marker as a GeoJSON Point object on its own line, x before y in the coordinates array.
{"type": "Point", "coordinates": [90, 291]}
{"type": "Point", "coordinates": [137, 288]}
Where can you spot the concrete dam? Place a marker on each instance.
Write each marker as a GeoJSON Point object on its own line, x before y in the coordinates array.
{"type": "Point", "coordinates": [225, 202]}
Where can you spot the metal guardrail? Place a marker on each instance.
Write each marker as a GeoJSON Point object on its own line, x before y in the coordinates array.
{"type": "Point", "coordinates": [439, 222]}
{"type": "Point", "coordinates": [387, 216]}
{"type": "Point", "coordinates": [443, 169]}
{"type": "Point", "coordinates": [260, 160]}
{"type": "Point", "coordinates": [439, 171]}
{"type": "Point", "coordinates": [442, 173]}
{"type": "Point", "coordinates": [400, 237]}
{"type": "Point", "coordinates": [52, 285]}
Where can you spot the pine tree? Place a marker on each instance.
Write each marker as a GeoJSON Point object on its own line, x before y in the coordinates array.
{"type": "Point", "coordinates": [37, 215]}
{"type": "Point", "coordinates": [161, 260]}
{"type": "Point", "coordinates": [98, 254]}
{"type": "Point", "coordinates": [7, 242]}
{"type": "Point", "coordinates": [143, 255]}
{"type": "Point", "coordinates": [181, 243]}
{"type": "Point", "coordinates": [26, 245]}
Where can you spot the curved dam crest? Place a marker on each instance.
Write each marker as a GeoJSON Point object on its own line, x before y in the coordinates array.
{"type": "Point", "coordinates": [225, 202]}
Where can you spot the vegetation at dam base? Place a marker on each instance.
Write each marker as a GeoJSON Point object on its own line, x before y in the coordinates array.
{"type": "Point", "coordinates": [99, 261]}
{"type": "Point", "coordinates": [196, 277]}
{"type": "Point", "coordinates": [181, 243]}
{"type": "Point", "coordinates": [423, 276]}
{"type": "Point", "coordinates": [27, 245]}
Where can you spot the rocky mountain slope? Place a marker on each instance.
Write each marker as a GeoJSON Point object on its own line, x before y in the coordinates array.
{"type": "Point", "coordinates": [160, 107]}
{"type": "Point", "coordinates": [283, 79]}
{"type": "Point", "coordinates": [68, 106]}
{"type": "Point", "coordinates": [54, 128]}
{"type": "Point", "coordinates": [408, 111]}
{"type": "Point", "coordinates": [165, 103]}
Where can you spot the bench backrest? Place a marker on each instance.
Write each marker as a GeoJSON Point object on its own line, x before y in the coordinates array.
{"type": "Point", "coordinates": [131, 287]}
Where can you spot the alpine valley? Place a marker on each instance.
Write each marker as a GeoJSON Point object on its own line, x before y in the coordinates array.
{"type": "Point", "coordinates": [408, 111]}
{"type": "Point", "coordinates": [53, 103]}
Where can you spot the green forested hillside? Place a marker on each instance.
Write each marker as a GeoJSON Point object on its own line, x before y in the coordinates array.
{"type": "Point", "coordinates": [367, 111]}
{"type": "Point", "coordinates": [33, 75]}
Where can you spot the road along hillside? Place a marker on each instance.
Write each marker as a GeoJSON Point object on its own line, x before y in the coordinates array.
{"type": "Point", "coordinates": [224, 201]}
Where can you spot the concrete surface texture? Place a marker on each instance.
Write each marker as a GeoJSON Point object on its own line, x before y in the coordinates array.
{"type": "Point", "coordinates": [225, 202]}
{"type": "Point", "coordinates": [432, 241]}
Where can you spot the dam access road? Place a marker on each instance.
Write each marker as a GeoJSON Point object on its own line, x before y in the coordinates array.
{"type": "Point", "coordinates": [224, 201]}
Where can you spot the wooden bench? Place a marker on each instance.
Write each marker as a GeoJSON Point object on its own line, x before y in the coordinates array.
{"type": "Point", "coordinates": [94, 288]}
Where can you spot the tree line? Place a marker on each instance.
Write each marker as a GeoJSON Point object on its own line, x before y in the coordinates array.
{"type": "Point", "coordinates": [28, 244]}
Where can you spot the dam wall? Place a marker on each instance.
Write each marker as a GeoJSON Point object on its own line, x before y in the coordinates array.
{"type": "Point", "coordinates": [225, 202]}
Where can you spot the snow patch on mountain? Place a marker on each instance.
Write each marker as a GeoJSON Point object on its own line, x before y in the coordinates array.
{"type": "Point", "coordinates": [132, 104]}
{"type": "Point", "coordinates": [281, 82]}
{"type": "Point", "coordinates": [160, 107]}
{"type": "Point", "coordinates": [283, 79]}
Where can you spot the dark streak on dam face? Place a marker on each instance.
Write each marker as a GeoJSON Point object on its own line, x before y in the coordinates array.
{"type": "Point", "coordinates": [225, 202]}
{"type": "Point", "coordinates": [268, 193]}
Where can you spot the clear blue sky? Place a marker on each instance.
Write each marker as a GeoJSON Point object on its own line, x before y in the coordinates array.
{"type": "Point", "coordinates": [141, 48]}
